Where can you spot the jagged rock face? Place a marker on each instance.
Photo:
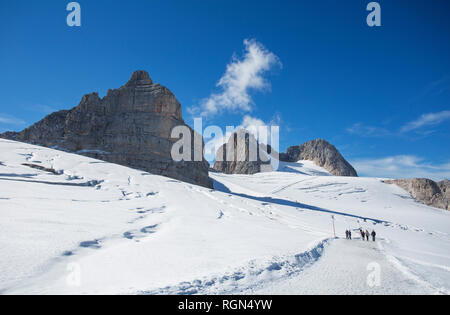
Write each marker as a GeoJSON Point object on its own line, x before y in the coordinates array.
{"type": "Point", "coordinates": [323, 154]}
{"type": "Point", "coordinates": [426, 191]}
{"type": "Point", "coordinates": [445, 188]}
{"type": "Point", "coordinates": [48, 129]}
{"type": "Point", "coordinates": [130, 126]}
{"type": "Point", "coordinates": [242, 155]}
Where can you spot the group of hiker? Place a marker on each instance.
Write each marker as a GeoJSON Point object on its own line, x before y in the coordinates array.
{"type": "Point", "coordinates": [365, 235]}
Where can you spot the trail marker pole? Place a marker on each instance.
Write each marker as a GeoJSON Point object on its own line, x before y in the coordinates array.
{"type": "Point", "coordinates": [334, 229]}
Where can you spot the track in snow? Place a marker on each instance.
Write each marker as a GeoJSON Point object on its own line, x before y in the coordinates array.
{"type": "Point", "coordinates": [344, 269]}
{"type": "Point", "coordinates": [248, 277]}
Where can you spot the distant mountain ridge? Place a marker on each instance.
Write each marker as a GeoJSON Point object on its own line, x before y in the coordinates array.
{"type": "Point", "coordinates": [426, 191]}
{"type": "Point", "coordinates": [323, 154]}
{"type": "Point", "coordinates": [234, 157]}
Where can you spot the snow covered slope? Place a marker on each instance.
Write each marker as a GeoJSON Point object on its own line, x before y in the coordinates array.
{"type": "Point", "coordinates": [74, 225]}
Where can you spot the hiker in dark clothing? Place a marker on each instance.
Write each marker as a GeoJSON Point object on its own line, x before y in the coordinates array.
{"type": "Point", "coordinates": [346, 234]}
{"type": "Point", "coordinates": [374, 235]}
{"type": "Point", "coordinates": [367, 235]}
{"type": "Point", "coordinates": [349, 235]}
{"type": "Point", "coordinates": [363, 235]}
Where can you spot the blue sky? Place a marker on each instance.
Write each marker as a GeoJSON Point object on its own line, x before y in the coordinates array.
{"type": "Point", "coordinates": [381, 95]}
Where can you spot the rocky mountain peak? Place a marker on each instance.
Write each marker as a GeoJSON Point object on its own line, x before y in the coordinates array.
{"type": "Point", "coordinates": [323, 154]}
{"type": "Point", "coordinates": [140, 77]}
{"type": "Point", "coordinates": [130, 126]}
{"type": "Point", "coordinates": [242, 154]}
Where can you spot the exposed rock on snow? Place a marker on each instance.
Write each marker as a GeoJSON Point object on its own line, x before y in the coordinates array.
{"type": "Point", "coordinates": [130, 126]}
{"type": "Point", "coordinates": [242, 155]}
{"type": "Point", "coordinates": [426, 191]}
{"type": "Point", "coordinates": [41, 168]}
{"type": "Point", "coordinates": [323, 154]}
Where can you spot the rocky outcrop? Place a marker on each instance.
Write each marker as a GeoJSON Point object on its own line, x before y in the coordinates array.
{"type": "Point", "coordinates": [426, 191]}
{"type": "Point", "coordinates": [445, 189]}
{"type": "Point", "coordinates": [242, 155]}
{"type": "Point", "coordinates": [322, 154]}
{"type": "Point", "coordinates": [130, 126]}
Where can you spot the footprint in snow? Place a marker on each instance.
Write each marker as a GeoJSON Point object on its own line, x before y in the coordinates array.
{"type": "Point", "coordinates": [149, 229]}
{"type": "Point", "coordinates": [135, 234]}
{"type": "Point", "coordinates": [95, 244]}
{"type": "Point", "coordinates": [128, 235]}
{"type": "Point", "coordinates": [153, 210]}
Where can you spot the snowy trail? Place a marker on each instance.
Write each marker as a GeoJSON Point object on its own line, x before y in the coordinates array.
{"type": "Point", "coordinates": [248, 277]}
{"type": "Point", "coordinates": [331, 267]}
{"type": "Point", "coordinates": [344, 269]}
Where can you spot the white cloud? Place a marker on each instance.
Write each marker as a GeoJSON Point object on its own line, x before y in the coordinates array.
{"type": "Point", "coordinates": [418, 125]}
{"type": "Point", "coordinates": [401, 166]}
{"type": "Point", "coordinates": [431, 119]}
{"type": "Point", "coordinates": [252, 124]}
{"type": "Point", "coordinates": [241, 76]}
{"type": "Point", "coordinates": [368, 131]}
{"type": "Point", "coordinates": [10, 120]}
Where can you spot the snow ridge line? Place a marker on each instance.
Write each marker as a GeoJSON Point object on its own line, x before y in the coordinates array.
{"type": "Point", "coordinates": [280, 189]}
{"type": "Point", "coordinates": [409, 274]}
{"type": "Point", "coordinates": [248, 277]}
